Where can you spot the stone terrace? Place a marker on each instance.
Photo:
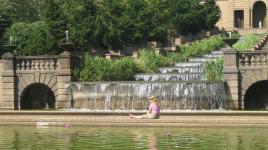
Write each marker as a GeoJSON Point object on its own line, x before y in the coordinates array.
{"type": "Point", "coordinates": [167, 119]}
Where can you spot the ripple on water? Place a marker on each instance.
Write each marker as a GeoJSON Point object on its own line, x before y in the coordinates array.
{"type": "Point", "coordinates": [30, 137]}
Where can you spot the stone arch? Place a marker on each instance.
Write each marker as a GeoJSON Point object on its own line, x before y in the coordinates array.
{"type": "Point", "coordinates": [46, 81]}
{"type": "Point", "coordinates": [259, 14]}
{"type": "Point", "coordinates": [256, 96]}
{"type": "Point", "coordinates": [248, 78]}
{"type": "Point", "coordinates": [26, 79]}
{"type": "Point", "coordinates": [37, 96]}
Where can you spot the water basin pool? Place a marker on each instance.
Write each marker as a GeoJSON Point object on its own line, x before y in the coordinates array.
{"type": "Point", "coordinates": [129, 138]}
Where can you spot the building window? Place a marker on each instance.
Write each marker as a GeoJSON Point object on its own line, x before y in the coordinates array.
{"type": "Point", "coordinates": [239, 18]}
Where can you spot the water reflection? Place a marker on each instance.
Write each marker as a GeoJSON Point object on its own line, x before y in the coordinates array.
{"type": "Point", "coordinates": [132, 138]}
{"type": "Point", "coordinates": [153, 142]}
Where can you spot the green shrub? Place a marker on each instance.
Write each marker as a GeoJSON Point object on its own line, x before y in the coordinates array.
{"type": "Point", "coordinates": [31, 38]}
{"type": "Point", "coordinates": [214, 69]}
{"type": "Point", "coordinates": [101, 69]}
{"type": "Point", "coordinates": [246, 42]}
{"type": "Point", "coordinates": [148, 61]}
{"type": "Point", "coordinates": [197, 48]}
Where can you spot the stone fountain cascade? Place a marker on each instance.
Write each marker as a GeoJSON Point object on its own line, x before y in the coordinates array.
{"type": "Point", "coordinates": [181, 87]}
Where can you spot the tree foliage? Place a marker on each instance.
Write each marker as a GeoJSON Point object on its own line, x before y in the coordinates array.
{"type": "Point", "coordinates": [53, 14]}
{"type": "Point", "coordinates": [31, 38]}
{"type": "Point", "coordinates": [5, 22]}
{"type": "Point", "coordinates": [21, 10]}
{"type": "Point", "coordinates": [113, 24]}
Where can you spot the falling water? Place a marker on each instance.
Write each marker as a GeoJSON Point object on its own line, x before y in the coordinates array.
{"type": "Point", "coordinates": [133, 95]}
{"type": "Point", "coordinates": [170, 77]}
{"type": "Point", "coordinates": [182, 87]}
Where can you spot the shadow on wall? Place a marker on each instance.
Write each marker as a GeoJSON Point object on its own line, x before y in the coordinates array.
{"type": "Point", "coordinates": [256, 96]}
{"type": "Point", "coordinates": [37, 96]}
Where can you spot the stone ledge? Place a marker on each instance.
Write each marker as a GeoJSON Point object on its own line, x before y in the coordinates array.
{"type": "Point", "coordinates": [167, 119]}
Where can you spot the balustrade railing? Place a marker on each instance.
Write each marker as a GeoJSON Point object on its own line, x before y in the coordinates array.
{"type": "Point", "coordinates": [252, 58]}
{"type": "Point", "coordinates": [37, 63]}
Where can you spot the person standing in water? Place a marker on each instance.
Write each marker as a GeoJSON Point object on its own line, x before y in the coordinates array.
{"type": "Point", "coordinates": [153, 111]}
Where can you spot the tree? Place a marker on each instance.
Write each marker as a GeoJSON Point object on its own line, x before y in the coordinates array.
{"type": "Point", "coordinates": [56, 20]}
{"type": "Point", "coordinates": [193, 16]}
{"type": "Point", "coordinates": [5, 22]}
{"type": "Point", "coordinates": [211, 13]}
{"type": "Point", "coordinates": [21, 10]}
{"type": "Point", "coordinates": [108, 24]}
{"type": "Point", "coordinates": [31, 38]}
{"type": "Point", "coordinates": [81, 15]}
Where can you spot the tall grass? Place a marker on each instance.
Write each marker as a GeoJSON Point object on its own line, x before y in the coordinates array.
{"type": "Point", "coordinates": [246, 42]}
{"type": "Point", "coordinates": [148, 61]}
{"type": "Point", "coordinates": [198, 48]}
{"type": "Point", "coordinates": [213, 69]}
{"type": "Point", "coordinates": [100, 69]}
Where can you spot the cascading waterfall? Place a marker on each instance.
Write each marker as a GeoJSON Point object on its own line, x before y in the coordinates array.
{"type": "Point", "coordinates": [170, 77]}
{"type": "Point", "coordinates": [182, 87]}
{"type": "Point", "coordinates": [133, 95]}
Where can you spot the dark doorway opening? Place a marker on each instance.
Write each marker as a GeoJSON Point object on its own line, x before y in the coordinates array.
{"type": "Point", "coordinates": [37, 96]}
{"type": "Point", "coordinates": [239, 18]}
{"type": "Point", "coordinates": [259, 15]}
{"type": "Point", "coordinates": [256, 96]}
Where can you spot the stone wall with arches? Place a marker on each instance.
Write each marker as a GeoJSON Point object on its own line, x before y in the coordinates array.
{"type": "Point", "coordinates": [241, 71]}
{"type": "Point", "coordinates": [18, 73]}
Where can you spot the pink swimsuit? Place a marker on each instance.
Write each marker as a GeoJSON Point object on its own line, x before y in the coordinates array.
{"type": "Point", "coordinates": [155, 109]}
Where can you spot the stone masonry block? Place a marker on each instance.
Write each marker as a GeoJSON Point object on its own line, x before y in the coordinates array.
{"type": "Point", "coordinates": [8, 91]}
{"type": "Point", "coordinates": [232, 83]}
{"type": "Point", "coordinates": [48, 78]}
{"type": "Point", "coordinates": [230, 76]}
{"type": "Point", "coordinates": [63, 98]}
{"type": "Point", "coordinates": [8, 79]}
{"type": "Point", "coordinates": [8, 85]}
{"type": "Point", "coordinates": [7, 97]}
{"type": "Point", "coordinates": [63, 78]}
{"type": "Point", "coordinates": [60, 105]}
{"type": "Point", "coordinates": [7, 105]}
{"type": "Point", "coordinates": [61, 85]}
{"type": "Point", "coordinates": [52, 82]}
{"type": "Point", "coordinates": [62, 92]}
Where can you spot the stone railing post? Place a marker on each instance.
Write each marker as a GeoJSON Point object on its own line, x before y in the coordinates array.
{"type": "Point", "coordinates": [8, 83]}
{"type": "Point", "coordinates": [231, 78]}
{"type": "Point", "coordinates": [63, 76]}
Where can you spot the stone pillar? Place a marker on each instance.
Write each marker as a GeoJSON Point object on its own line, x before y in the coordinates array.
{"type": "Point", "coordinates": [135, 55]}
{"type": "Point", "coordinates": [8, 83]}
{"type": "Point", "coordinates": [63, 99]}
{"type": "Point", "coordinates": [231, 78]}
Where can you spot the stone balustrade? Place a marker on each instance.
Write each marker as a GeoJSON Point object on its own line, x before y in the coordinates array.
{"type": "Point", "coordinates": [113, 56]}
{"type": "Point", "coordinates": [252, 58]}
{"type": "Point", "coordinates": [259, 45]}
{"type": "Point", "coordinates": [42, 63]}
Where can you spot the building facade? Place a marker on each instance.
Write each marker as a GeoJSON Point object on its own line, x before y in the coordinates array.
{"type": "Point", "coordinates": [242, 14]}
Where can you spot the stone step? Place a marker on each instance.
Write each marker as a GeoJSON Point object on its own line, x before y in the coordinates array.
{"type": "Point", "coordinates": [212, 55]}
{"type": "Point", "coordinates": [195, 69]}
{"type": "Point", "coordinates": [202, 59]}
{"type": "Point", "coordinates": [189, 64]}
{"type": "Point", "coordinates": [168, 118]}
{"type": "Point", "coordinates": [217, 52]}
{"type": "Point", "coordinates": [170, 77]}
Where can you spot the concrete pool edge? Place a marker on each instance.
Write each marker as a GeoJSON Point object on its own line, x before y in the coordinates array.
{"type": "Point", "coordinates": [120, 119]}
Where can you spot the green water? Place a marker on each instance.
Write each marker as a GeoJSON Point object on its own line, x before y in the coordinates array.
{"type": "Point", "coordinates": [122, 138]}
